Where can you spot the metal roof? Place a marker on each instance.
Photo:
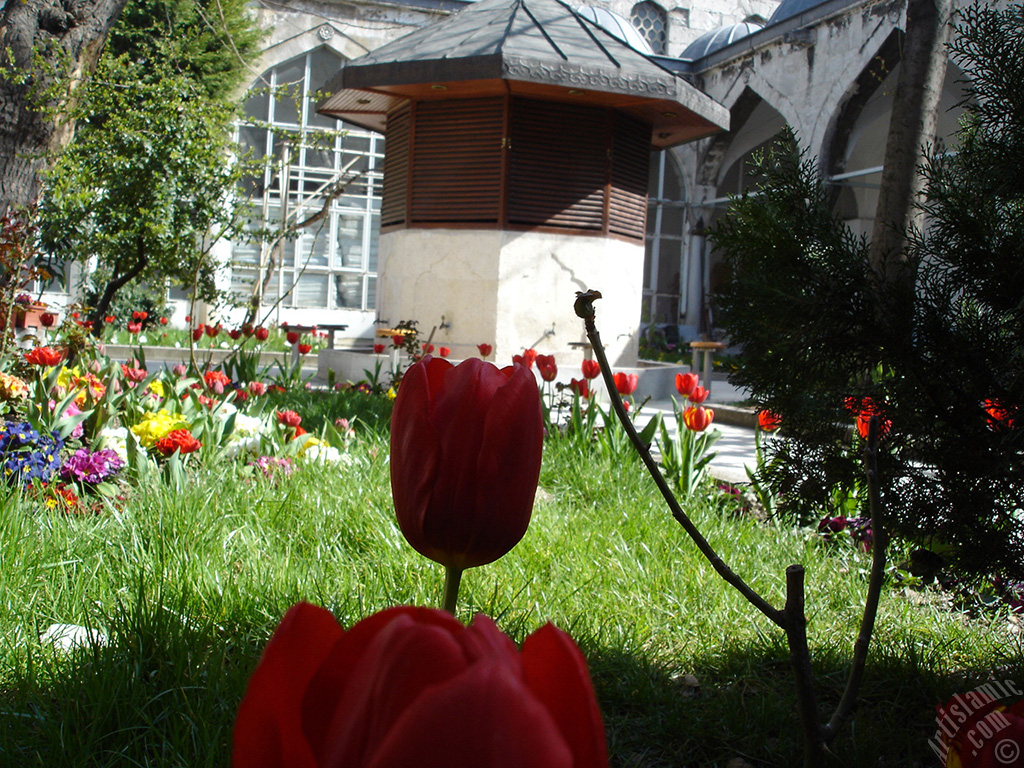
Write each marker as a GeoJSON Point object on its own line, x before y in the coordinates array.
{"type": "Point", "coordinates": [539, 48]}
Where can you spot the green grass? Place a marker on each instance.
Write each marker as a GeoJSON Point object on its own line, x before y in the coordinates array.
{"type": "Point", "coordinates": [188, 587]}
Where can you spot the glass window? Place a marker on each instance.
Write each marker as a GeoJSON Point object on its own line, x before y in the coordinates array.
{"type": "Point", "coordinates": [651, 21]}
{"type": "Point", "coordinates": [665, 263]}
{"type": "Point", "coordinates": [339, 248]}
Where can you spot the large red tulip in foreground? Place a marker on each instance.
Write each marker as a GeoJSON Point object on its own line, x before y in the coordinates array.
{"type": "Point", "coordinates": [414, 687]}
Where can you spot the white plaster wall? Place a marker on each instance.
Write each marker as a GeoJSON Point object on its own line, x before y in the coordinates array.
{"type": "Point", "coordinates": [513, 290]}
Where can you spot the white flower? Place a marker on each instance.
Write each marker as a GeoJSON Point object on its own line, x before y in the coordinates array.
{"type": "Point", "coordinates": [116, 439]}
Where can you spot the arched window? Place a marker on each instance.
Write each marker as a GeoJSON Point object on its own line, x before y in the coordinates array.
{"type": "Point", "coordinates": [331, 263]}
{"type": "Point", "coordinates": [666, 269]}
{"type": "Point", "coordinates": [651, 21]}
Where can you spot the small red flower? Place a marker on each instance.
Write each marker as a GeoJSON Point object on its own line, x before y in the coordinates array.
{"type": "Point", "coordinates": [698, 418]}
{"type": "Point", "coordinates": [134, 375]}
{"type": "Point", "coordinates": [999, 414]}
{"type": "Point", "coordinates": [547, 367]}
{"type": "Point", "coordinates": [212, 331]}
{"type": "Point", "coordinates": [257, 387]}
{"type": "Point", "coordinates": [591, 369]}
{"type": "Point", "coordinates": [109, 319]}
{"type": "Point", "coordinates": [686, 383]}
{"type": "Point", "coordinates": [428, 349]}
{"type": "Point", "coordinates": [292, 337]}
{"type": "Point", "coordinates": [197, 333]}
{"type": "Point", "coordinates": [235, 334]}
{"type": "Point", "coordinates": [527, 358]}
{"type": "Point", "coordinates": [261, 333]}
{"type": "Point", "coordinates": [289, 418]}
{"type": "Point", "coordinates": [398, 339]}
{"type": "Point", "coordinates": [444, 351]}
{"type": "Point", "coordinates": [134, 327]}
{"type": "Point", "coordinates": [699, 395]}
{"type": "Point", "coordinates": [44, 356]}
{"type": "Point", "coordinates": [378, 348]}
{"type": "Point", "coordinates": [626, 383]}
{"type": "Point", "coordinates": [139, 316]}
{"type": "Point", "coordinates": [304, 349]}
{"type": "Point", "coordinates": [163, 321]}
{"type": "Point", "coordinates": [180, 440]}
{"type": "Point", "coordinates": [580, 386]}
{"type": "Point", "coordinates": [768, 421]}
{"type": "Point", "coordinates": [485, 349]}
{"type": "Point", "coordinates": [213, 378]}
{"type": "Point", "coordinates": [47, 319]}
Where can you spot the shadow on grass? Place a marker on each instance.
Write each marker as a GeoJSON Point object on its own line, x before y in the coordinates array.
{"type": "Point", "coordinates": [165, 690]}
{"type": "Point", "coordinates": [736, 706]}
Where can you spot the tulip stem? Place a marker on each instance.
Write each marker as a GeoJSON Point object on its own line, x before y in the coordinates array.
{"type": "Point", "coordinates": [452, 578]}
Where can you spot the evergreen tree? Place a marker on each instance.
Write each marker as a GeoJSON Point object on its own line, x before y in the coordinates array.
{"type": "Point", "coordinates": [936, 354]}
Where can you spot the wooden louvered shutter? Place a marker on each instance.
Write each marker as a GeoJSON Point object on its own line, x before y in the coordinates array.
{"type": "Point", "coordinates": [456, 161]}
{"type": "Point", "coordinates": [627, 209]}
{"type": "Point", "coordinates": [396, 168]}
{"type": "Point", "coordinates": [557, 165]}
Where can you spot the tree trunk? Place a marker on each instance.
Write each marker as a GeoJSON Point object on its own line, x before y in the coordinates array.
{"type": "Point", "coordinates": [68, 36]}
{"type": "Point", "coordinates": [911, 128]}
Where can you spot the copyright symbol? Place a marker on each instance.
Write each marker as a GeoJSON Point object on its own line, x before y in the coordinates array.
{"type": "Point", "coordinates": [1007, 751]}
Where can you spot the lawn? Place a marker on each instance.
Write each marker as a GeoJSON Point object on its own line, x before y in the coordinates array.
{"type": "Point", "coordinates": [187, 584]}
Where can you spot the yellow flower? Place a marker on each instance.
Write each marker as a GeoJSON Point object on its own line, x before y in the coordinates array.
{"type": "Point", "coordinates": [156, 426]}
{"type": "Point", "coordinates": [157, 388]}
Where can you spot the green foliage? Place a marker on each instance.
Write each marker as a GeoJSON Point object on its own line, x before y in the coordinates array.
{"type": "Point", "coordinates": [147, 183]}
{"type": "Point", "coordinates": [320, 408]}
{"type": "Point", "coordinates": [938, 351]}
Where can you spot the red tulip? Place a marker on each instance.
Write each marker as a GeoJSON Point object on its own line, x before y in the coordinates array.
{"type": "Point", "coordinates": [527, 358]}
{"type": "Point", "coordinates": [304, 349]}
{"type": "Point", "coordinates": [626, 383]}
{"type": "Point", "coordinates": [163, 321]}
{"type": "Point", "coordinates": [580, 387]}
{"type": "Point", "coordinates": [414, 687]}
{"type": "Point", "coordinates": [257, 387]}
{"type": "Point", "coordinates": [398, 339]}
{"type": "Point", "coordinates": [485, 349]}
{"type": "Point", "coordinates": [289, 418]}
{"type": "Point", "coordinates": [465, 459]}
{"type": "Point", "coordinates": [108, 319]}
{"type": "Point", "coordinates": [547, 367]}
{"type": "Point", "coordinates": [768, 421]}
{"type": "Point", "coordinates": [444, 351]}
{"type": "Point", "coordinates": [197, 333]}
{"type": "Point", "coordinates": [428, 348]}
{"type": "Point", "coordinates": [212, 331]}
{"type": "Point", "coordinates": [698, 418]}
{"type": "Point", "coordinates": [999, 414]}
{"type": "Point", "coordinates": [235, 334]}
{"type": "Point", "coordinates": [378, 348]}
{"type": "Point", "coordinates": [686, 382]}
{"type": "Point", "coordinates": [261, 333]}
{"type": "Point", "coordinates": [134, 327]}
{"type": "Point", "coordinates": [133, 374]}
{"type": "Point", "coordinates": [47, 319]}
{"type": "Point", "coordinates": [591, 369]}
{"type": "Point", "coordinates": [698, 395]}
{"type": "Point", "coordinates": [44, 356]}
{"type": "Point", "coordinates": [180, 440]}
{"type": "Point", "coordinates": [139, 316]}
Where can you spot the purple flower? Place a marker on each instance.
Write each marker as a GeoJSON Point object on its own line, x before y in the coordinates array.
{"type": "Point", "coordinates": [85, 466]}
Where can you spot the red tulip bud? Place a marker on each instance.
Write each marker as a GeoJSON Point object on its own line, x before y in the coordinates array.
{"type": "Point", "coordinates": [685, 383]}
{"type": "Point", "coordinates": [485, 349]}
{"type": "Point", "coordinates": [591, 369]}
{"type": "Point", "coordinates": [465, 459]}
{"type": "Point", "coordinates": [626, 383]}
{"type": "Point", "coordinates": [547, 367]}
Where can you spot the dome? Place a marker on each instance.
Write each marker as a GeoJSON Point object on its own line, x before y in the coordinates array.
{"type": "Point", "coordinates": [716, 39]}
{"type": "Point", "coordinates": [617, 26]}
{"type": "Point", "coordinates": [789, 8]}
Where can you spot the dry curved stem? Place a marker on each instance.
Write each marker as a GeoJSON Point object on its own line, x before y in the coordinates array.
{"type": "Point", "coordinates": [792, 619]}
